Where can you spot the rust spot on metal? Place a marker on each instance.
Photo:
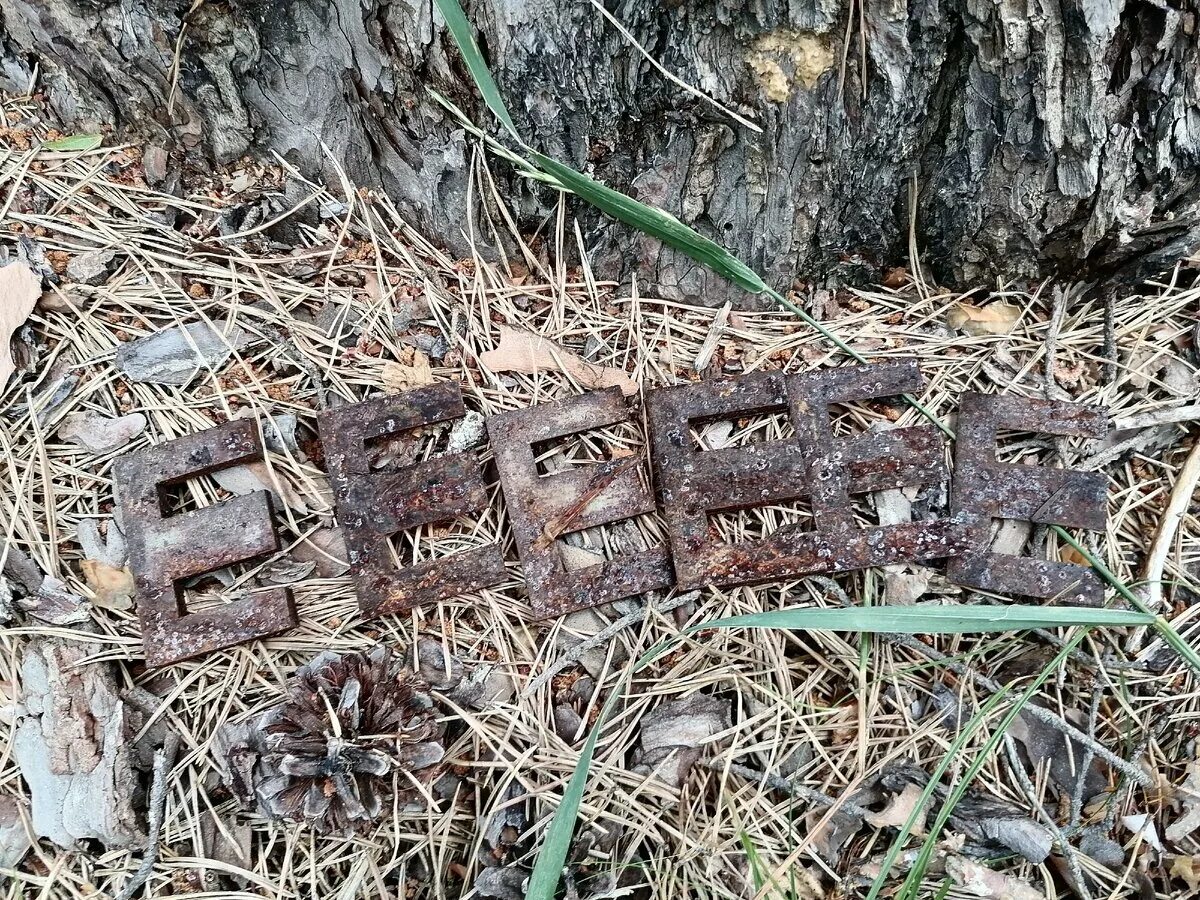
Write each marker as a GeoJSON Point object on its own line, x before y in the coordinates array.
{"type": "Point", "coordinates": [542, 509]}
{"type": "Point", "coordinates": [985, 489]}
{"type": "Point", "coordinates": [374, 505]}
{"type": "Point", "coordinates": [813, 465]}
{"type": "Point", "coordinates": [166, 549]}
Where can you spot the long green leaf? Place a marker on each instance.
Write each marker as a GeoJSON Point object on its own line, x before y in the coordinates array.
{"type": "Point", "coordinates": [954, 618]}
{"type": "Point", "coordinates": [460, 28]}
{"type": "Point", "coordinates": [655, 223]}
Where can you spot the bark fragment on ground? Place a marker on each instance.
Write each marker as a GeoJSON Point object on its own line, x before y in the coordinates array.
{"type": "Point", "coordinates": [72, 747]}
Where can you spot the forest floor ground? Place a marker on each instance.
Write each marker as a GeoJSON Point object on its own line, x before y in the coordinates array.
{"type": "Point", "coordinates": [743, 763]}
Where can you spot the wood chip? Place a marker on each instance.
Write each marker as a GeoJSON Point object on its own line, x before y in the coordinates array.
{"type": "Point", "coordinates": [995, 318]}
{"type": "Point", "coordinates": [398, 377]}
{"type": "Point", "coordinates": [527, 353]}
{"type": "Point", "coordinates": [112, 586]}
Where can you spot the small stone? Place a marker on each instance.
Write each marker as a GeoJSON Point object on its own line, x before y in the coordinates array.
{"type": "Point", "coordinates": [91, 267]}
{"type": "Point", "coordinates": [466, 433]}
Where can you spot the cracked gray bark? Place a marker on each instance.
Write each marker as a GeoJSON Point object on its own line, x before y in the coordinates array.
{"type": "Point", "coordinates": [1042, 138]}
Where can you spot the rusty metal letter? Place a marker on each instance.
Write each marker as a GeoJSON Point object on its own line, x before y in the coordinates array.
{"type": "Point", "coordinates": [813, 465]}
{"type": "Point", "coordinates": [985, 489]}
{"type": "Point", "coordinates": [373, 505]}
{"type": "Point", "coordinates": [542, 509]}
{"type": "Point", "coordinates": [164, 550]}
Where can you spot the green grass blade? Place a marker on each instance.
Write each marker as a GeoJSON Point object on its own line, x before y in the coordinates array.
{"type": "Point", "coordinates": [460, 29]}
{"type": "Point", "coordinates": [912, 882]}
{"type": "Point", "coordinates": [655, 223]}
{"type": "Point", "coordinates": [547, 870]}
{"type": "Point", "coordinates": [960, 741]}
{"type": "Point", "coordinates": [954, 618]}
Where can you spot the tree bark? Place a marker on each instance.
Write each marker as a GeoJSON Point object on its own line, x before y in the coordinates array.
{"type": "Point", "coordinates": [1038, 138]}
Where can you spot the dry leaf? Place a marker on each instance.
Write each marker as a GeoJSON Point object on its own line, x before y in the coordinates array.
{"type": "Point", "coordinates": [1188, 870]}
{"type": "Point", "coordinates": [398, 377]}
{"type": "Point", "coordinates": [1141, 824]}
{"type": "Point", "coordinates": [979, 880]}
{"type": "Point", "coordinates": [1189, 820]}
{"type": "Point", "coordinates": [899, 808]}
{"type": "Point", "coordinates": [250, 477]}
{"type": "Point", "coordinates": [19, 291]}
{"type": "Point", "coordinates": [100, 434]}
{"type": "Point", "coordinates": [995, 318]}
{"type": "Point", "coordinates": [1069, 554]}
{"type": "Point", "coordinates": [521, 351]}
{"type": "Point", "coordinates": [112, 586]}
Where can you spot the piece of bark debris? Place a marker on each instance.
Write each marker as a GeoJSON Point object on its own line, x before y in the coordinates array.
{"type": "Point", "coordinates": [674, 733]}
{"type": "Point", "coordinates": [988, 823]}
{"type": "Point", "coordinates": [72, 747]}
{"type": "Point", "coordinates": [15, 839]}
{"type": "Point", "coordinates": [100, 434]}
{"type": "Point", "coordinates": [1189, 794]}
{"type": "Point", "coordinates": [177, 355]}
{"type": "Point", "coordinates": [1042, 742]}
{"type": "Point", "coordinates": [980, 881]}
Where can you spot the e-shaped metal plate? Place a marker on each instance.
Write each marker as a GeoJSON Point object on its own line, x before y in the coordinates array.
{"type": "Point", "coordinates": [543, 508]}
{"type": "Point", "coordinates": [164, 550]}
{"type": "Point", "coordinates": [374, 505]}
{"type": "Point", "coordinates": [813, 464]}
{"type": "Point", "coordinates": [985, 489]}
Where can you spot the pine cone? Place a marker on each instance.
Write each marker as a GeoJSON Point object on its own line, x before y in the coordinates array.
{"type": "Point", "coordinates": [355, 728]}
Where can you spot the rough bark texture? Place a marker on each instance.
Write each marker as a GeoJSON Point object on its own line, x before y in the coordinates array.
{"type": "Point", "coordinates": [72, 747]}
{"type": "Point", "coordinates": [1041, 137]}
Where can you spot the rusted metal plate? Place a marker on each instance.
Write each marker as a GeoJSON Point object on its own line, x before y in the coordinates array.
{"type": "Point", "coordinates": [985, 489]}
{"type": "Point", "coordinates": [813, 465]}
{"type": "Point", "coordinates": [166, 549]}
{"type": "Point", "coordinates": [374, 505]}
{"type": "Point", "coordinates": [544, 508]}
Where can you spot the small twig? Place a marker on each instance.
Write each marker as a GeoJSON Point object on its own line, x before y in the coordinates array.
{"type": "Point", "coordinates": [1136, 442]}
{"type": "Point", "coordinates": [674, 79]}
{"type": "Point", "coordinates": [1088, 756]}
{"type": "Point", "coordinates": [163, 758]}
{"type": "Point", "coordinates": [1160, 548]}
{"type": "Point", "coordinates": [1038, 712]}
{"type": "Point", "coordinates": [1172, 415]}
{"type": "Point", "coordinates": [1051, 388]}
{"type": "Point", "coordinates": [779, 783]}
{"type": "Point", "coordinates": [1110, 335]}
{"type": "Point", "coordinates": [1030, 792]}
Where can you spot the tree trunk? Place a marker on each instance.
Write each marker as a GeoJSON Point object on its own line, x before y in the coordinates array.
{"type": "Point", "coordinates": [1037, 138]}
